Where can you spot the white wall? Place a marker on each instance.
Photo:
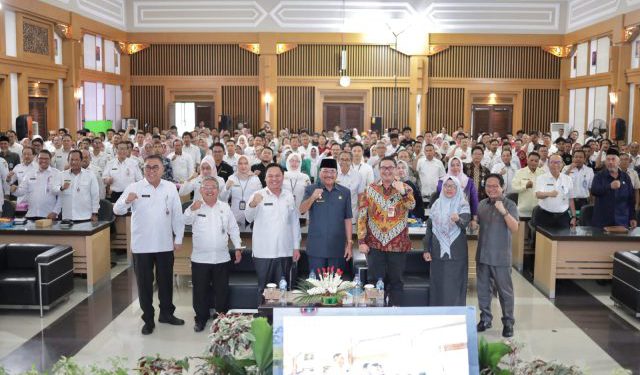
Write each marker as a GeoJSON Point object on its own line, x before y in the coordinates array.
{"type": "Point", "coordinates": [60, 104]}
{"type": "Point", "coordinates": [10, 33]}
{"type": "Point", "coordinates": [13, 88]}
{"type": "Point", "coordinates": [578, 109]}
{"type": "Point", "coordinates": [90, 99]}
{"type": "Point", "coordinates": [582, 63]}
{"type": "Point", "coordinates": [632, 97]}
{"type": "Point", "coordinates": [89, 51]}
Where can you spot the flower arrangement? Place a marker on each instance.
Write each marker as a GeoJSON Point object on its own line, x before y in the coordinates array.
{"type": "Point", "coordinates": [327, 289]}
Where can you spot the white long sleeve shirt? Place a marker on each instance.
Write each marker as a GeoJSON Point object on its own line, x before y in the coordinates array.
{"type": "Point", "coordinates": [490, 159]}
{"type": "Point", "coordinates": [564, 186]}
{"type": "Point", "coordinates": [40, 191]}
{"type": "Point", "coordinates": [19, 172]}
{"type": "Point", "coordinates": [240, 191]}
{"type": "Point", "coordinates": [193, 151]}
{"type": "Point", "coordinates": [211, 227]}
{"type": "Point", "coordinates": [60, 158]}
{"type": "Point", "coordinates": [194, 186]}
{"type": "Point", "coordinates": [582, 179]}
{"type": "Point", "coordinates": [156, 216]}
{"type": "Point", "coordinates": [510, 172]}
{"type": "Point", "coordinates": [123, 173]}
{"type": "Point", "coordinates": [430, 172]}
{"type": "Point", "coordinates": [276, 228]}
{"type": "Point", "coordinates": [365, 171]}
{"type": "Point", "coordinates": [352, 180]}
{"type": "Point", "coordinates": [100, 160]}
{"type": "Point", "coordinates": [82, 198]}
{"type": "Point", "coordinates": [183, 166]}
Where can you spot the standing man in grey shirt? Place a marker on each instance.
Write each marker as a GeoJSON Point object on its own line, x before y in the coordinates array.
{"type": "Point", "coordinates": [498, 219]}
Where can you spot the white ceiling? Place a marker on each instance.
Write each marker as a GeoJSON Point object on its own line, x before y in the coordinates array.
{"type": "Point", "coordinates": [464, 16]}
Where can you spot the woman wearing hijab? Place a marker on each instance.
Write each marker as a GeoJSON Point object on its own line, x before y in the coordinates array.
{"type": "Point", "coordinates": [469, 189]}
{"type": "Point", "coordinates": [240, 186]}
{"type": "Point", "coordinates": [294, 180]}
{"type": "Point", "coordinates": [445, 244]}
{"type": "Point", "coordinates": [403, 175]}
{"type": "Point", "coordinates": [207, 169]}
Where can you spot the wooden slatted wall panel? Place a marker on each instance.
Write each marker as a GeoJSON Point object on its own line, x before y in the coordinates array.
{"type": "Point", "coordinates": [242, 103]}
{"type": "Point", "coordinates": [540, 108]}
{"type": "Point", "coordinates": [324, 60]}
{"type": "Point", "coordinates": [445, 107]}
{"type": "Point", "coordinates": [383, 106]}
{"type": "Point", "coordinates": [296, 108]}
{"type": "Point", "coordinates": [147, 105]}
{"type": "Point", "coordinates": [194, 60]}
{"type": "Point", "coordinates": [494, 62]}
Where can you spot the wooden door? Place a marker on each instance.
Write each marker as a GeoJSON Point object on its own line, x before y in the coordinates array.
{"type": "Point", "coordinates": [345, 115]}
{"type": "Point", "coordinates": [38, 111]}
{"type": "Point", "coordinates": [492, 118]}
{"type": "Point", "coordinates": [205, 112]}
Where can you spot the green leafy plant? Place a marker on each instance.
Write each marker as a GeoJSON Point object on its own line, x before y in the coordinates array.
{"type": "Point", "coordinates": [262, 345]}
{"type": "Point", "coordinates": [490, 355]}
{"type": "Point", "coordinates": [150, 365]}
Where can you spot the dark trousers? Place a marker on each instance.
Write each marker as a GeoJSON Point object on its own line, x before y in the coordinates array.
{"type": "Point", "coordinates": [552, 220]}
{"type": "Point", "coordinates": [490, 279]}
{"type": "Point", "coordinates": [143, 265]}
{"type": "Point", "coordinates": [271, 270]}
{"type": "Point", "coordinates": [390, 266]}
{"type": "Point", "coordinates": [114, 196]}
{"type": "Point", "coordinates": [579, 202]}
{"type": "Point", "coordinates": [210, 280]}
{"type": "Point", "coordinates": [318, 262]}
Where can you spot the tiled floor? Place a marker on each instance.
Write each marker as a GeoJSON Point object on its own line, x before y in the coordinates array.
{"type": "Point", "coordinates": [110, 325]}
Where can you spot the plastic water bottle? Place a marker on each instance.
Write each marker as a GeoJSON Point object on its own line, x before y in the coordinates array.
{"type": "Point", "coordinates": [283, 291]}
{"type": "Point", "coordinates": [312, 275]}
{"type": "Point", "coordinates": [380, 289]}
{"type": "Point", "coordinates": [357, 290]}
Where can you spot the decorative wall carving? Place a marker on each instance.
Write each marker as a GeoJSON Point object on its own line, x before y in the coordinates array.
{"type": "Point", "coordinates": [35, 39]}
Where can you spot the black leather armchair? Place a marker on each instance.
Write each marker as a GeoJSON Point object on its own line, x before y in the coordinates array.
{"type": "Point", "coordinates": [34, 275]}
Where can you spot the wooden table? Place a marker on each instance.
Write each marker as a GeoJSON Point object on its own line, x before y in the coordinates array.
{"type": "Point", "coordinates": [90, 243]}
{"type": "Point", "coordinates": [583, 253]}
{"type": "Point", "coordinates": [517, 245]}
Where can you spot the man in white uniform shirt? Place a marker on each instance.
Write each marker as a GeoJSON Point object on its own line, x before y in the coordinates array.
{"type": "Point", "coordinates": [181, 163]}
{"type": "Point", "coordinates": [506, 169]}
{"type": "Point", "coordinates": [156, 217]}
{"type": "Point", "coordinates": [190, 149]}
{"type": "Point", "coordinates": [276, 229]}
{"type": "Point", "coordinates": [491, 155]}
{"type": "Point", "coordinates": [39, 189]}
{"type": "Point", "coordinates": [99, 158]}
{"type": "Point", "coordinates": [86, 164]}
{"type": "Point", "coordinates": [462, 151]}
{"type": "Point", "coordinates": [582, 177]}
{"type": "Point", "coordinates": [79, 196]}
{"type": "Point", "coordinates": [554, 191]}
{"type": "Point", "coordinates": [61, 155]}
{"type": "Point", "coordinates": [351, 179]}
{"type": "Point", "coordinates": [16, 176]}
{"type": "Point", "coordinates": [380, 151]}
{"type": "Point", "coordinates": [430, 170]}
{"type": "Point", "coordinates": [230, 157]}
{"type": "Point", "coordinates": [364, 169]}
{"type": "Point", "coordinates": [120, 173]}
{"type": "Point", "coordinates": [14, 145]}
{"type": "Point", "coordinates": [212, 224]}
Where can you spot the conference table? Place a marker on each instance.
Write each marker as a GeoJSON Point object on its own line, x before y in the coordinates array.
{"type": "Point", "coordinates": [90, 243]}
{"type": "Point", "coordinates": [580, 253]}
{"type": "Point", "coordinates": [182, 263]}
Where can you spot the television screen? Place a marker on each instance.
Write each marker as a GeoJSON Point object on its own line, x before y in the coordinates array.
{"type": "Point", "coordinates": [408, 340]}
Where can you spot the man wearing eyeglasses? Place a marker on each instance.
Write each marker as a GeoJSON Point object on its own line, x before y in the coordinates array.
{"type": "Point", "coordinates": [157, 228]}
{"type": "Point", "coordinates": [554, 191]}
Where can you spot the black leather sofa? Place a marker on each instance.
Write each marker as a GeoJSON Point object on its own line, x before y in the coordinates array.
{"type": "Point", "coordinates": [625, 287]}
{"type": "Point", "coordinates": [34, 275]}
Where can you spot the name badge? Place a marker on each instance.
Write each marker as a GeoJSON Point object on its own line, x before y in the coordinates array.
{"type": "Point", "coordinates": [550, 185]}
{"type": "Point", "coordinates": [32, 179]}
{"type": "Point", "coordinates": [268, 204]}
{"type": "Point", "coordinates": [236, 185]}
{"type": "Point", "coordinates": [146, 196]}
{"type": "Point", "coordinates": [391, 212]}
{"type": "Point", "coordinates": [242, 205]}
{"type": "Point", "coordinates": [202, 215]}
{"type": "Point", "coordinates": [114, 169]}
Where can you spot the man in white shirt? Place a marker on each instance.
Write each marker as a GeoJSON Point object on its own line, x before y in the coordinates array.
{"type": "Point", "coordinates": [394, 145]}
{"type": "Point", "coordinates": [181, 163]}
{"type": "Point", "coordinates": [212, 224]}
{"type": "Point", "coordinates": [364, 169]}
{"type": "Point", "coordinates": [634, 152]}
{"type": "Point", "coordinates": [626, 167]}
{"type": "Point", "coordinates": [156, 217]}
{"type": "Point", "coordinates": [40, 189]}
{"type": "Point", "coordinates": [351, 179]}
{"type": "Point", "coordinates": [430, 170]}
{"type": "Point", "coordinates": [61, 155]}
{"type": "Point", "coordinates": [190, 149]}
{"type": "Point", "coordinates": [120, 173]}
{"type": "Point", "coordinates": [543, 150]}
{"type": "Point", "coordinates": [462, 151]}
{"type": "Point", "coordinates": [86, 164]}
{"type": "Point", "coordinates": [582, 177]}
{"type": "Point", "coordinates": [230, 157]}
{"type": "Point", "coordinates": [4, 172]}
{"type": "Point", "coordinates": [99, 158]}
{"type": "Point", "coordinates": [305, 148]}
{"type": "Point", "coordinates": [554, 191]}
{"type": "Point", "coordinates": [506, 169]}
{"type": "Point", "coordinates": [374, 160]}
{"type": "Point", "coordinates": [14, 145]}
{"type": "Point", "coordinates": [79, 196]}
{"type": "Point", "coordinates": [276, 229]}
{"type": "Point", "coordinates": [16, 176]}
{"type": "Point", "coordinates": [491, 155]}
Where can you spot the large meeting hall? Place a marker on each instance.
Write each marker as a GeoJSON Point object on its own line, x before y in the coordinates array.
{"type": "Point", "coordinates": [319, 187]}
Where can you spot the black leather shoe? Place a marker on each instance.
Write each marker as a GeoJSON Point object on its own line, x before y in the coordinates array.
{"type": "Point", "coordinates": [198, 327]}
{"type": "Point", "coordinates": [147, 329]}
{"type": "Point", "coordinates": [483, 326]}
{"type": "Point", "coordinates": [507, 331]}
{"type": "Point", "coordinates": [172, 320]}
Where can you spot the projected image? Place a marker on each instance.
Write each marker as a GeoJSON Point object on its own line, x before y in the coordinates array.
{"type": "Point", "coordinates": [408, 344]}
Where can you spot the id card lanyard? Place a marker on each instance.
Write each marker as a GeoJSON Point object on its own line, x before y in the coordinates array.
{"type": "Point", "coordinates": [242, 205]}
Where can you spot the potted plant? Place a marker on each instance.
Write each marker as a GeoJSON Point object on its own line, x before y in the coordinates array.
{"type": "Point", "coordinates": [328, 289]}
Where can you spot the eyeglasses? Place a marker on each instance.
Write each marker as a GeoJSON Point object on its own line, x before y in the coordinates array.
{"type": "Point", "coordinates": [449, 186]}
{"type": "Point", "coordinates": [152, 167]}
{"type": "Point", "coordinates": [387, 168]}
